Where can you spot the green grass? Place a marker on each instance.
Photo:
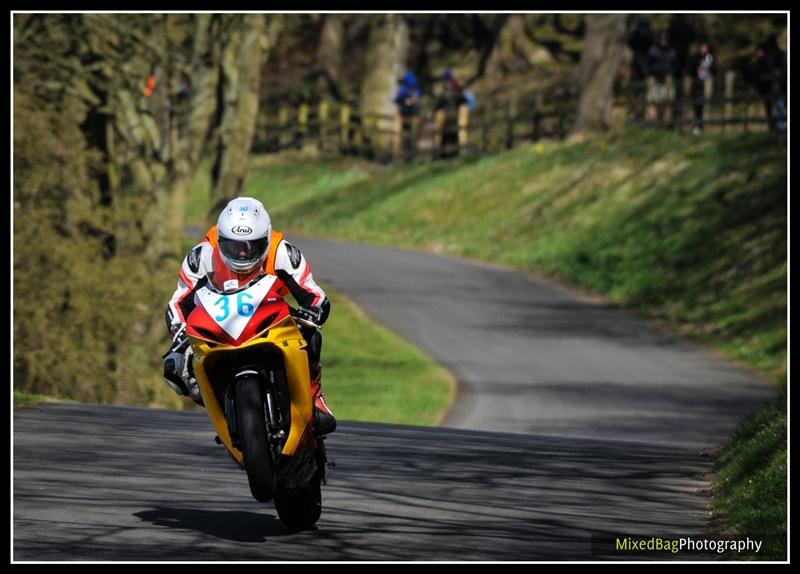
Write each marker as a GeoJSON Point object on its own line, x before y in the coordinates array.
{"type": "Point", "coordinates": [751, 480]}
{"type": "Point", "coordinates": [371, 374]}
{"type": "Point", "coordinates": [23, 399]}
{"type": "Point", "coordinates": [304, 177]}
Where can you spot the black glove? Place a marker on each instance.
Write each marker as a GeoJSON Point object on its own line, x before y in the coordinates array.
{"type": "Point", "coordinates": [180, 342]}
{"type": "Point", "coordinates": [176, 372]}
{"type": "Point", "coordinates": [312, 314]}
{"type": "Point", "coordinates": [178, 364]}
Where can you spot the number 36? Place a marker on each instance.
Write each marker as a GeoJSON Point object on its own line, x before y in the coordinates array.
{"type": "Point", "coordinates": [244, 308]}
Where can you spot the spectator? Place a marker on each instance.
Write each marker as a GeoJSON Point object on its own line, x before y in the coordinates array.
{"type": "Point", "coordinates": [150, 83]}
{"type": "Point", "coordinates": [639, 41]}
{"type": "Point", "coordinates": [704, 67]}
{"type": "Point", "coordinates": [661, 65]}
{"type": "Point", "coordinates": [682, 35]}
{"type": "Point", "coordinates": [470, 97]}
{"type": "Point", "coordinates": [408, 102]}
{"type": "Point", "coordinates": [408, 95]}
{"type": "Point", "coordinates": [449, 114]}
{"type": "Point", "coordinates": [770, 81]}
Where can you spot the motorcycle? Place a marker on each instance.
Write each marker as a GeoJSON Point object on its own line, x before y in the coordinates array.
{"type": "Point", "coordinates": [251, 366]}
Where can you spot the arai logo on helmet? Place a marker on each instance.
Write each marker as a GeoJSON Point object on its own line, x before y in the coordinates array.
{"type": "Point", "coordinates": [242, 230]}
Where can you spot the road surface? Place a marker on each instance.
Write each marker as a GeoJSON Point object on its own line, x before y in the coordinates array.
{"type": "Point", "coordinates": [573, 420]}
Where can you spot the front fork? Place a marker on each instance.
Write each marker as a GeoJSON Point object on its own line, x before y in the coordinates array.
{"type": "Point", "coordinates": [272, 414]}
{"type": "Point", "coordinates": [274, 419]}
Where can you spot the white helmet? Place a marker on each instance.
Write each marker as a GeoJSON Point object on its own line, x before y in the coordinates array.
{"type": "Point", "coordinates": [243, 232]}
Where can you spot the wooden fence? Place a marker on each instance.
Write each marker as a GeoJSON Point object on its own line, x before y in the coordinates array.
{"type": "Point", "coordinates": [500, 122]}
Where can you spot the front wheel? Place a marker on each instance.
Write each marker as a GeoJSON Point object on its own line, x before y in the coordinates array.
{"type": "Point", "coordinates": [253, 438]}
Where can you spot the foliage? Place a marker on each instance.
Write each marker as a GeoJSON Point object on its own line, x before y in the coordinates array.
{"type": "Point", "coordinates": [84, 324]}
{"type": "Point", "coordinates": [751, 482]}
{"type": "Point", "coordinates": [78, 311]}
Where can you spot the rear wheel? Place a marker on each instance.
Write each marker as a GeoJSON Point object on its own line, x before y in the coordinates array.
{"type": "Point", "coordinates": [253, 438]}
{"type": "Point", "coordinates": [302, 508]}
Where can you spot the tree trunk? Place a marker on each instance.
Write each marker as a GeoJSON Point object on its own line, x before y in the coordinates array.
{"type": "Point", "coordinates": [329, 55]}
{"type": "Point", "coordinates": [246, 48]}
{"type": "Point", "coordinates": [514, 51]}
{"type": "Point", "coordinates": [601, 57]}
{"type": "Point", "coordinates": [385, 62]}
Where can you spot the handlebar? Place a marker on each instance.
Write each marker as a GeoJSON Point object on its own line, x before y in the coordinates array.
{"type": "Point", "coordinates": [303, 321]}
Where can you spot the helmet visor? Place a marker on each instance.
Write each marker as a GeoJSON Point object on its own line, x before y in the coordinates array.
{"type": "Point", "coordinates": [244, 253]}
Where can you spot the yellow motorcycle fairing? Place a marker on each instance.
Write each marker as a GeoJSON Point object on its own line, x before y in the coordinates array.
{"type": "Point", "coordinates": [287, 339]}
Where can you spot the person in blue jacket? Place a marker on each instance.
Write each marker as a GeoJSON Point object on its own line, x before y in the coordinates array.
{"type": "Point", "coordinates": [407, 99]}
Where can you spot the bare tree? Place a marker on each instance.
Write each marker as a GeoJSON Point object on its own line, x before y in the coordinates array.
{"type": "Point", "coordinates": [246, 45]}
{"type": "Point", "coordinates": [602, 53]}
{"type": "Point", "coordinates": [329, 55]}
{"type": "Point", "coordinates": [386, 55]}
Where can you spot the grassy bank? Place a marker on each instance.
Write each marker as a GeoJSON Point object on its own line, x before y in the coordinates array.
{"type": "Point", "coordinates": [691, 231]}
{"type": "Point", "coordinates": [751, 481]}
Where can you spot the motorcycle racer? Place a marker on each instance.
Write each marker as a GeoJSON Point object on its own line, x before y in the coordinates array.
{"type": "Point", "coordinates": [234, 251]}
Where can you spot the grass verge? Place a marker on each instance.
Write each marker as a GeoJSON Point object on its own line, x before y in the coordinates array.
{"type": "Point", "coordinates": [751, 481]}
{"type": "Point", "coordinates": [23, 399]}
{"type": "Point", "coordinates": [371, 374]}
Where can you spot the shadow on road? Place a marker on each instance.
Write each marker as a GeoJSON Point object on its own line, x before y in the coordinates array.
{"type": "Point", "coordinates": [397, 493]}
{"type": "Point", "coordinates": [230, 525]}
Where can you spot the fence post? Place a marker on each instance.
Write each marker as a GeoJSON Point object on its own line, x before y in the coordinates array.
{"type": "Point", "coordinates": [562, 121]}
{"type": "Point", "coordinates": [538, 105]}
{"type": "Point", "coordinates": [510, 111]}
{"type": "Point", "coordinates": [689, 114]}
{"type": "Point", "coordinates": [463, 123]}
{"type": "Point", "coordinates": [484, 132]}
{"type": "Point", "coordinates": [730, 79]}
{"type": "Point", "coordinates": [708, 95]}
{"type": "Point", "coordinates": [283, 124]}
{"type": "Point", "coordinates": [357, 133]}
{"type": "Point", "coordinates": [747, 107]}
{"type": "Point", "coordinates": [324, 111]}
{"type": "Point", "coordinates": [369, 124]}
{"type": "Point", "coordinates": [438, 132]}
{"type": "Point", "coordinates": [344, 127]}
{"type": "Point", "coordinates": [302, 125]}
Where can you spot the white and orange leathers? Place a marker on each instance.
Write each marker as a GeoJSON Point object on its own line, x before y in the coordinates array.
{"type": "Point", "coordinates": [283, 260]}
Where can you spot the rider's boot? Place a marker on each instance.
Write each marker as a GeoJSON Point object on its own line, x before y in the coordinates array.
{"type": "Point", "coordinates": [324, 421]}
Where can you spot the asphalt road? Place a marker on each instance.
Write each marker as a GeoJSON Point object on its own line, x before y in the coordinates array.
{"type": "Point", "coordinates": [533, 357]}
{"type": "Point", "coordinates": [573, 420]}
{"type": "Point", "coordinates": [104, 483]}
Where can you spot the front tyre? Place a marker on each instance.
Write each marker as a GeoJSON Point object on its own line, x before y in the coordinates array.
{"type": "Point", "coordinates": [253, 438]}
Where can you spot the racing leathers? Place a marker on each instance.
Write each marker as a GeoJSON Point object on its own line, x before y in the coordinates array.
{"type": "Point", "coordinates": [290, 266]}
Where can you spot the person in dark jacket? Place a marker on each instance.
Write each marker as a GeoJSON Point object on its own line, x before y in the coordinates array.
{"type": "Point", "coordinates": [661, 65]}
{"type": "Point", "coordinates": [704, 68]}
{"type": "Point", "coordinates": [448, 106]}
{"type": "Point", "coordinates": [640, 39]}
{"type": "Point", "coordinates": [769, 75]}
{"type": "Point", "coordinates": [681, 35]}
